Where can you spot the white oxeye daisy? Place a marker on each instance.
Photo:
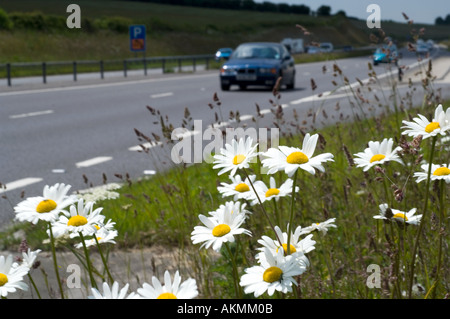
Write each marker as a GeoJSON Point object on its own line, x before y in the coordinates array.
{"type": "Point", "coordinates": [29, 257]}
{"type": "Point", "coordinates": [235, 156]}
{"type": "Point", "coordinates": [297, 246]}
{"type": "Point", "coordinates": [46, 207]}
{"type": "Point", "coordinates": [273, 273]}
{"type": "Point", "coordinates": [289, 159]}
{"type": "Point", "coordinates": [82, 220]}
{"type": "Point", "coordinates": [378, 153]}
{"type": "Point", "coordinates": [220, 227]}
{"type": "Point", "coordinates": [323, 226]}
{"type": "Point", "coordinates": [113, 292]}
{"type": "Point", "coordinates": [422, 126]}
{"type": "Point", "coordinates": [438, 172]}
{"type": "Point", "coordinates": [170, 290]}
{"type": "Point", "coordinates": [11, 278]}
{"type": "Point", "coordinates": [238, 188]}
{"type": "Point", "coordinates": [387, 213]}
{"type": "Point", "coordinates": [273, 192]}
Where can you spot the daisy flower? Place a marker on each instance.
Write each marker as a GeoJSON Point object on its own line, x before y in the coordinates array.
{"type": "Point", "coordinates": [377, 153]}
{"type": "Point", "coordinates": [289, 159]}
{"type": "Point", "coordinates": [297, 246]}
{"type": "Point", "coordinates": [220, 227]}
{"type": "Point", "coordinates": [11, 278]}
{"type": "Point", "coordinates": [29, 257]}
{"type": "Point", "coordinates": [272, 192]}
{"type": "Point", "coordinates": [113, 292]}
{"type": "Point", "coordinates": [438, 172]}
{"type": "Point", "coordinates": [238, 188]}
{"type": "Point", "coordinates": [322, 227]}
{"type": "Point", "coordinates": [82, 219]}
{"type": "Point", "coordinates": [273, 273]}
{"type": "Point", "coordinates": [422, 126]}
{"type": "Point", "coordinates": [170, 290]}
{"type": "Point", "coordinates": [387, 213]}
{"type": "Point", "coordinates": [46, 207]}
{"type": "Point", "coordinates": [235, 156]}
{"type": "Point", "coordinates": [103, 236]}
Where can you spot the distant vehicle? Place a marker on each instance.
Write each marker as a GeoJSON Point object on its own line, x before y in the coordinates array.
{"type": "Point", "coordinates": [422, 48]}
{"type": "Point", "coordinates": [430, 44]}
{"type": "Point", "coordinates": [326, 47]}
{"type": "Point", "coordinates": [293, 45]}
{"type": "Point", "coordinates": [386, 54]}
{"type": "Point", "coordinates": [223, 54]}
{"type": "Point", "coordinates": [347, 48]}
{"type": "Point", "coordinates": [260, 63]}
{"type": "Point", "coordinates": [313, 49]}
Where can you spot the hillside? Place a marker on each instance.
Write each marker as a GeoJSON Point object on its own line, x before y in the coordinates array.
{"type": "Point", "coordinates": [39, 31]}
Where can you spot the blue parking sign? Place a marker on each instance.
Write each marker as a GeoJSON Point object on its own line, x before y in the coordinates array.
{"type": "Point", "coordinates": [137, 38]}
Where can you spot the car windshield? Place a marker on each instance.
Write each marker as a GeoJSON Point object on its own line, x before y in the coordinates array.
{"type": "Point", "coordinates": [254, 51]}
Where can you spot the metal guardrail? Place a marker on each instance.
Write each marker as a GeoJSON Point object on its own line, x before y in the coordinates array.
{"type": "Point", "coordinates": [146, 63]}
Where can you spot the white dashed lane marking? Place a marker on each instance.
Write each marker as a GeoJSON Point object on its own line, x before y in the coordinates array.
{"type": "Point", "coordinates": [93, 161]}
{"type": "Point", "coordinates": [20, 183]}
{"type": "Point", "coordinates": [19, 116]}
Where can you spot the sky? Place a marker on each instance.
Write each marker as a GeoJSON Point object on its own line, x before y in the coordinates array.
{"type": "Point", "coordinates": [420, 11]}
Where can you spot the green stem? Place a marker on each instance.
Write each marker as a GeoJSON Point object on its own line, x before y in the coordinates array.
{"type": "Point", "coordinates": [104, 260]}
{"type": "Point", "coordinates": [441, 218]}
{"type": "Point", "coordinates": [88, 262]}
{"type": "Point", "coordinates": [262, 207]}
{"type": "Point", "coordinates": [55, 263]}
{"type": "Point", "coordinates": [34, 286]}
{"type": "Point", "coordinates": [422, 222]}
{"type": "Point", "coordinates": [235, 272]}
{"type": "Point", "coordinates": [291, 217]}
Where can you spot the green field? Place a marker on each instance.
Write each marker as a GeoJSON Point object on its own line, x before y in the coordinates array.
{"type": "Point", "coordinates": [172, 30]}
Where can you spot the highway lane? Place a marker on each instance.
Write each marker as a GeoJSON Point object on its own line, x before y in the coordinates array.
{"type": "Point", "coordinates": [58, 134]}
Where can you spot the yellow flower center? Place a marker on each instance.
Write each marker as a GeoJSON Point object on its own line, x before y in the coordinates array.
{"type": "Point", "coordinates": [221, 230]}
{"type": "Point", "coordinates": [441, 171]}
{"type": "Point", "coordinates": [3, 279]}
{"type": "Point", "coordinates": [167, 295]}
{"type": "Point", "coordinates": [242, 187]}
{"type": "Point", "coordinates": [77, 220]}
{"type": "Point", "coordinates": [272, 191]}
{"type": "Point", "coordinates": [401, 216]}
{"type": "Point", "coordinates": [297, 158]}
{"type": "Point", "coordinates": [431, 127]}
{"type": "Point", "coordinates": [272, 274]}
{"type": "Point", "coordinates": [238, 159]}
{"type": "Point", "coordinates": [291, 250]}
{"type": "Point", "coordinates": [377, 158]}
{"type": "Point", "coordinates": [47, 205]}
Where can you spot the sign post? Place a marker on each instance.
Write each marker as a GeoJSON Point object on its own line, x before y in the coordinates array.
{"type": "Point", "coordinates": [137, 38]}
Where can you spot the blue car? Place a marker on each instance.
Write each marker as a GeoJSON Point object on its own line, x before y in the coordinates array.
{"type": "Point", "coordinates": [223, 54]}
{"type": "Point", "coordinates": [261, 64]}
{"type": "Point", "coordinates": [386, 54]}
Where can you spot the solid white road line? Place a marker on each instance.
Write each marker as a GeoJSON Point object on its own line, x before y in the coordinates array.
{"type": "Point", "coordinates": [93, 161]}
{"type": "Point", "coordinates": [20, 183]}
{"type": "Point", "coordinates": [19, 116]}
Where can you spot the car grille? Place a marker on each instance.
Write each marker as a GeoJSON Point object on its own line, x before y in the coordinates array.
{"type": "Point", "coordinates": [246, 71]}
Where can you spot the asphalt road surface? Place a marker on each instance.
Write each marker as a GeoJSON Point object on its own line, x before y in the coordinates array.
{"type": "Point", "coordinates": [62, 132]}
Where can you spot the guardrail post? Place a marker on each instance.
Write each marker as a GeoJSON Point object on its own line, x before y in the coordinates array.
{"type": "Point", "coordinates": [8, 73]}
{"type": "Point", "coordinates": [75, 71]}
{"type": "Point", "coordinates": [193, 64]}
{"type": "Point", "coordinates": [207, 63]}
{"type": "Point", "coordinates": [125, 68]}
{"type": "Point", "coordinates": [101, 70]}
{"type": "Point", "coordinates": [44, 72]}
{"type": "Point", "coordinates": [163, 65]}
{"type": "Point", "coordinates": [179, 65]}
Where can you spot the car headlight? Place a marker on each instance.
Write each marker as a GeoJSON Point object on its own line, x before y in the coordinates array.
{"type": "Point", "coordinates": [227, 70]}
{"type": "Point", "coordinates": [268, 70]}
